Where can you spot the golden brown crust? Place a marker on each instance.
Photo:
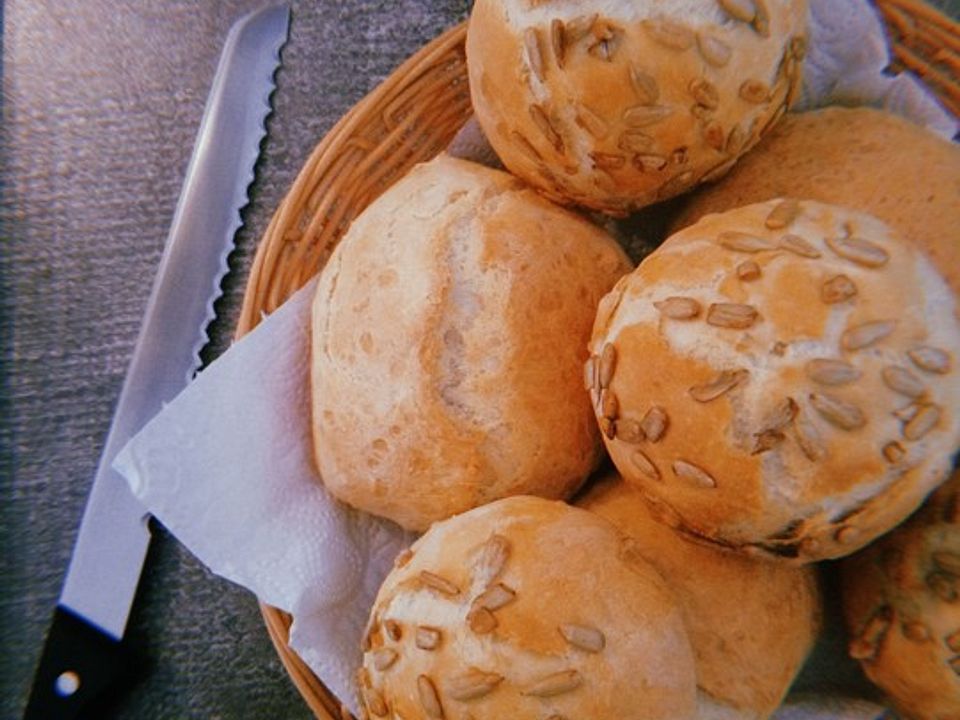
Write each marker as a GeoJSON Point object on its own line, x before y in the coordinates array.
{"type": "Point", "coordinates": [866, 159]}
{"type": "Point", "coordinates": [616, 105]}
{"type": "Point", "coordinates": [526, 609]}
{"type": "Point", "coordinates": [751, 622]}
{"type": "Point", "coordinates": [784, 412]}
{"type": "Point", "coordinates": [449, 332]}
{"type": "Point", "coordinates": [900, 599]}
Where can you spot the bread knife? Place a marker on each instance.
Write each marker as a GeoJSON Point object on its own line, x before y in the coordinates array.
{"type": "Point", "coordinates": [85, 658]}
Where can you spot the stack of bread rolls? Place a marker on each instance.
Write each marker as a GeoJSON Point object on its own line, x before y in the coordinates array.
{"type": "Point", "coordinates": [775, 385]}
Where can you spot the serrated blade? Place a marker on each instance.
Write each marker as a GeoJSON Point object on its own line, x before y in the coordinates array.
{"type": "Point", "coordinates": [112, 542]}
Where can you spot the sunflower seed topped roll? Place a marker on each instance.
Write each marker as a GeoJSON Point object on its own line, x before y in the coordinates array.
{"type": "Point", "coordinates": [901, 598]}
{"type": "Point", "coordinates": [797, 410]}
{"type": "Point", "coordinates": [616, 105]}
{"type": "Point", "coordinates": [526, 609]}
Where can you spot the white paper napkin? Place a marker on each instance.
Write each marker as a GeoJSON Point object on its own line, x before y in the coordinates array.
{"type": "Point", "coordinates": [227, 467]}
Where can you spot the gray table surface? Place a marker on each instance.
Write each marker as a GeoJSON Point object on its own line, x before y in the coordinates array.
{"type": "Point", "coordinates": [101, 102]}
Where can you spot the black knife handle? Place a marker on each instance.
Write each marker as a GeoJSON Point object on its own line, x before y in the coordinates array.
{"type": "Point", "coordinates": [80, 666]}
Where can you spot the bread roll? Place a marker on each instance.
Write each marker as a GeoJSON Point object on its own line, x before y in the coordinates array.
{"type": "Point", "coordinates": [900, 598]}
{"type": "Point", "coordinates": [781, 379]}
{"type": "Point", "coordinates": [449, 333]}
{"type": "Point", "coordinates": [617, 104]}
{"type": "Point", "coordinates": [526, 609]}
{"type": "Point", "coordinates": [866, 159]}
{"type": "Point", "coordinates": [751, 623]}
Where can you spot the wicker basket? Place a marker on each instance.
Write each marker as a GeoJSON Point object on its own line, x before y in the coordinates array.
{"type": "Point", "coordinates": [411, 117]}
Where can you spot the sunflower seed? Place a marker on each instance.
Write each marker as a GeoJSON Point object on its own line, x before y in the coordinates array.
{"type": "Point", "coordinates": [693, 474]}
{"type": "Point", "coordinates": [654, 423]}
{"type": "Point", "coordinates": [715, 51]}
{"type": "Point", "coordinates": [526, 147]}
{"type": "Point", "coordinates": [495, 597]}
{"type": "Point", "coordinates": [953, 641]}
{"type": "Point", "coordinates": [930, 359]}
{"type": "Point", "coordinates": [641, 116]}
{"type": "Point", "coordinates": [583, 637]}
{"type": "Point", "coordinates": [748, 271]}
{"type": "Point", "coordinates": [427, 638]}
{"type": "Point", "coordinates": [403, 558]}
{"type": "Point", "coordinates": [837, 412]}
{"type": "Point", "coordinates": [605, 49]}
{"type": "Point", "coordinates": [591, 122]}
{"type": "Point", "coordinates": [608, 363]}
{"type": "Point", "coordinates": [649, 162]}
{"type": "Point", "coordinates": [428, 697]}
{"type": "Point", "coordinates": [859, 251]}
{"type": "Point", "coordinates": [923, 422]}
{"type": "Point", "coordinates": [766, 440]}
{"type": "Point", "coordinates": [837, 289]}
{"type": "Point", "coordinates": [556, 40]}
{"type": "Point", "coordinates": [915, 631]}
{"type": "Point", "coordinates": [754, 91]}
{"type": "Point", "coordinates": [375, 702]}
{"type": "Point", "coordinates": [866, 645]}
{"type": "Point", "coordinates": [554, 684]}
{"type": "Point", "coordinates": [714, 135]}
{"type": "Point", "coordinates": [783, 214]}
{"type": "Point", "coordinates": [893, 452]}
{"type": "Point", "coordinates": [439, 584]}
{"type": "Point", "coordinates": [644, 85]}
{"type": "Point", "coordinates": [531, 41]}
{"type": "Point", "coordinates": [828, 371]}
{"type": "Point", "coordinates": [943, 585]}
{"type": "Point", "coordinates": [677, 307]}
{"type": "Point", "coordinates": [679, 156]}
{"type": "Point", "coordinates": [866, 334]}
{"type": "Point", "coordinates": [901, 380]}
{"type": "Point", "coordinates": [670, 33]}
{"type": "Point", "coordinates": [798, 47]}
{"type": "Point", "coordinates": [590, 372]}
{"type": "Point", "coordinates": [634, 141]}
{"type": "Point", "coordinates": [608, 161]}
{"type": "Point", "coordinates": [644, 465]}
{"type": "Point", "coordinates": [384, 658]}
{"type": "Point", "coordinates": [542, 122]}
{"type": "Point", "coordinates": [578, 28]}
{"type": "Point", "coordinates": [779, 348]}
{"type": "Point", "coordinates": [481, 620]}
{"type": "Point", "coordinates": [731, 315]}
{"type": "Point", "coordinates": [628, 431]}
{"type": "Point", "coordinates": [782, 414]}
{"type": "Point", "coordinates": [743, 10]}
{"type": "Point", "coordinates": [705, 93]}
{"type": "Point", "coordinates": [798, 246]}
{"type": "Point", "coordinates": [720, 385]}
{"type": "Point", "coordinates": [846, 535]}
{"type": "Point", "coordinates": [608, 427]}
{"type": "Point", "coordinates": [947, 561]}
{"type": "Point", "coordinates": [808, 438]}
{"type": "Point", "coordinates": [393, 630]}
{"type": "Point", "coordinates": [761, 21]}
{"type": "Point", "coordinates": [609, 406]}
{"type": "Point", "coordinates": [493, 558]}
{"type": "Point", "coordinates": [472, 684]}
{"type": "Point", "coordinates": [743, 242]}
{"type": "Point", "coordinates": [735, 141]}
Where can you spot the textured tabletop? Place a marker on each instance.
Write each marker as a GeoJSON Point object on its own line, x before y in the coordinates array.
{"type": "Point", "coordinates": [101, 103]}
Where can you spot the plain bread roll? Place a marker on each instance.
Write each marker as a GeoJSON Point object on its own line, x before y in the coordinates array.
{"type": "Point", "coordinates": [449, 331]}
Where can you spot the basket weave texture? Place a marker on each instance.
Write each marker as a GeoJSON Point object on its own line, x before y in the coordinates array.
{"type": "Point", "coordinates": [409, 118]}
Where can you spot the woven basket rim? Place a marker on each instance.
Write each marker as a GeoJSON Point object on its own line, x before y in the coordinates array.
{"type": "Point", "coordinates": [912, 25]}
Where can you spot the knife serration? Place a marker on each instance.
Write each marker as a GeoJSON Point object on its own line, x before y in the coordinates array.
{"type": "Point", "coordinates": [113, 537]}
